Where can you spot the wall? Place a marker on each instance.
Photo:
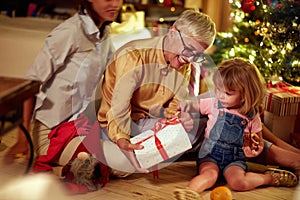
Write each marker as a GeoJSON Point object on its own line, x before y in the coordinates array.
{"type": "Point", "coordinates": [219, 11]}
{"type": "Point", "coordinates": [20, 40]}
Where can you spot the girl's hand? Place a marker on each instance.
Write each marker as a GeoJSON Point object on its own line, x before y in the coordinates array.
{"type": "Point", "coordinates": [128, 149]}
{"type": "Point", "coordinates": [254, 146]}
{"type": "Point", "coordinates": [185, 106]}
{"type": "Point", "coordinates": [249, 153]}
{"type": "Point", "coordinates": [186, 120]}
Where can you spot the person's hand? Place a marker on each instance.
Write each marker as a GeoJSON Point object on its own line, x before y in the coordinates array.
{"type": "Point", "coordinates": [186, 120]}
{"type": "Point", "coordinates": [254, 145]}
{"type": "Point", "coordinates": [185, 106]}
{"type": "Point", "coordinates": [250, 153]}
{"type": "Point", "coordinates": [128, 149]}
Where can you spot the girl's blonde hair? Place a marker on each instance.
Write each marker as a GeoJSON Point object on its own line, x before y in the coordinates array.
{"type": "Point", "coordinates": [240, 75]}
{"type": "Point", "coordinates": [198, 25]}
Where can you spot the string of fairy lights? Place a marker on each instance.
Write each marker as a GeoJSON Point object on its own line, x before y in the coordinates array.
{"type": "Point", "coordinates": [267, 33]}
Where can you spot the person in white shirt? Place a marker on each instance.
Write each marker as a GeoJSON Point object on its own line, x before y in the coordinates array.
{"type": "Point", "coordinates": [69, 67]}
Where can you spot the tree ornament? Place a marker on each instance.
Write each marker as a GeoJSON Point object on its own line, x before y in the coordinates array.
{"type": "Point", "coordinates": [248, 6]}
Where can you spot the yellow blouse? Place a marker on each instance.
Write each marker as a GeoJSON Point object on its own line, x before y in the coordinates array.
{"type": "Point", "coordinates": [136, 83]}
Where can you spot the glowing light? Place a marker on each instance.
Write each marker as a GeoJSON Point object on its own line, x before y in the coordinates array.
{"type": "Point", "coordinates": [251, 58]}
{"type": "Point", "coordinates": [261, 44]}
{"type": "Point", "coordinates": [246, 40]}
{"type": "Point", "coordinates": [283, 51]}
{"type": "Point", "coordinates": [231, 52]}
{"type": "Point", "coordinates": [172, 9]}
{"type": "Point", "coordinates": [238, 18]}
{"type": "Point", "coordinates": [238, 4]}
{"type": "Point", "coordinates": [295, 63]}
{"type": "Point", "coordinates": [161, 19]}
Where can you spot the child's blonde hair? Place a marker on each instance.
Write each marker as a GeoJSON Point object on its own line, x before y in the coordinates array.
{"type": "Point", "coordinates": [240, 75]}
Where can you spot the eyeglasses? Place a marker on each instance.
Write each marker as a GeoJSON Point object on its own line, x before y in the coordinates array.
{"type": "Point", "coordinates": [188, 52]}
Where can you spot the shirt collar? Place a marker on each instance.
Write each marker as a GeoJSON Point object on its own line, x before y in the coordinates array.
{"type": "Point", "coordinates": [88, 24]}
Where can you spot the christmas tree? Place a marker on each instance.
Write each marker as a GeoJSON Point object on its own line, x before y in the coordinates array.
{"type": "Point", "coordinates": [267, 33]}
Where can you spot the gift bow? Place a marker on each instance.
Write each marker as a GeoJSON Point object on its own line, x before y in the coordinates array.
{"type": "Point", "coordinates": [158, 126]}
{"type": "Point", "coordinates": [282, 87]}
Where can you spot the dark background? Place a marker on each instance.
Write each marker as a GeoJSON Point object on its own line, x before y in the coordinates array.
{"type": "Point", "coordinates": [21, 6]}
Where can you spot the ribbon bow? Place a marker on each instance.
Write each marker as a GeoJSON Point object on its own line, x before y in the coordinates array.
{"type": "Point", "coordinates": [158, 126]}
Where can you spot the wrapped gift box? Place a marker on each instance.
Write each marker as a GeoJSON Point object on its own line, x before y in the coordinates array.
{"type": "Point", "coordinates": [281, 126]}
{"type": "Point", "coordinates": [165, 141]}
{"type": "Point", "coordinates": [283, 101]}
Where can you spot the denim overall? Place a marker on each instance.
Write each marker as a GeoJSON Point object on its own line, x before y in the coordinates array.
{"type": "Point", "coordinates": [225, 142]}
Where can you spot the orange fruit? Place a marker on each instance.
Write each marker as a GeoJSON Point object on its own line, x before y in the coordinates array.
{"type": "Point", "coordinates": [221, 193]}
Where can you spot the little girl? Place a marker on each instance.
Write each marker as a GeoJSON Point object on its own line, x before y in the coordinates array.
{"type": "Point", "coordinates": [233, 115]}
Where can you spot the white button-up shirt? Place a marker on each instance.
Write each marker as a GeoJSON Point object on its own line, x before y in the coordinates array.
{"type": "Point", "coordinates": [69, 66]}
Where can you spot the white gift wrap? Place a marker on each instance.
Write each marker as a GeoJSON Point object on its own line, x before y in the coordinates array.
{"type": "Point", "coordinates": [173, 138]}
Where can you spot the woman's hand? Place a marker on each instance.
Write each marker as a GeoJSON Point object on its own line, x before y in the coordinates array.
{"type": "Point", "coordinates": [128, 149]}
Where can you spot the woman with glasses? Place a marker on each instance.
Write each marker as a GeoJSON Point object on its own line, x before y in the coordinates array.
{"type": "Point", "coordinates": [146, 79]}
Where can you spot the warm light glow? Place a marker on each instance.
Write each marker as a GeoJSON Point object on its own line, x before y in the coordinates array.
{"type": "Point", "coordinates": [231, 52]}
{"type": "Point", "coordinates": [238, 4]}
{"type": "Point", "coordinates": [295, 63]}
{"type": "Point", "coordinates": [295, 24]}
{"type": "Point", "coordinates": [172, 9]}
{"type": "Point", "coordinates": [246, 40]}
{"type": "Point", "coordinates": [161, 19]}
{"type": "Point", "coordinates": [265, 30]}
{"type": "Point", "coordinates": [238, 18]}
{"type": "Point", "coordinates": [251, 58]}
{"type": "Point", "coordinates": [261, 44]}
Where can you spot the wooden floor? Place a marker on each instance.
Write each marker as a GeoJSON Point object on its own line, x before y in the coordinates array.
{"type": "Point", "coordinates": [136, 186]}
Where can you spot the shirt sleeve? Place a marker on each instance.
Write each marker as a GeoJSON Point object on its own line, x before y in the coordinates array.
{"type": "Point", "coordinates": [127, 80]}
{"type": "Point", "coordinates": [254, 125]}
{"type": "Point", "coordinates": [58, 45]}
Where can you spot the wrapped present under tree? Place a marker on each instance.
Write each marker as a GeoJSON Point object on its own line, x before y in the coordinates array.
{"type": "Point", "coordinates": [282, 99]}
